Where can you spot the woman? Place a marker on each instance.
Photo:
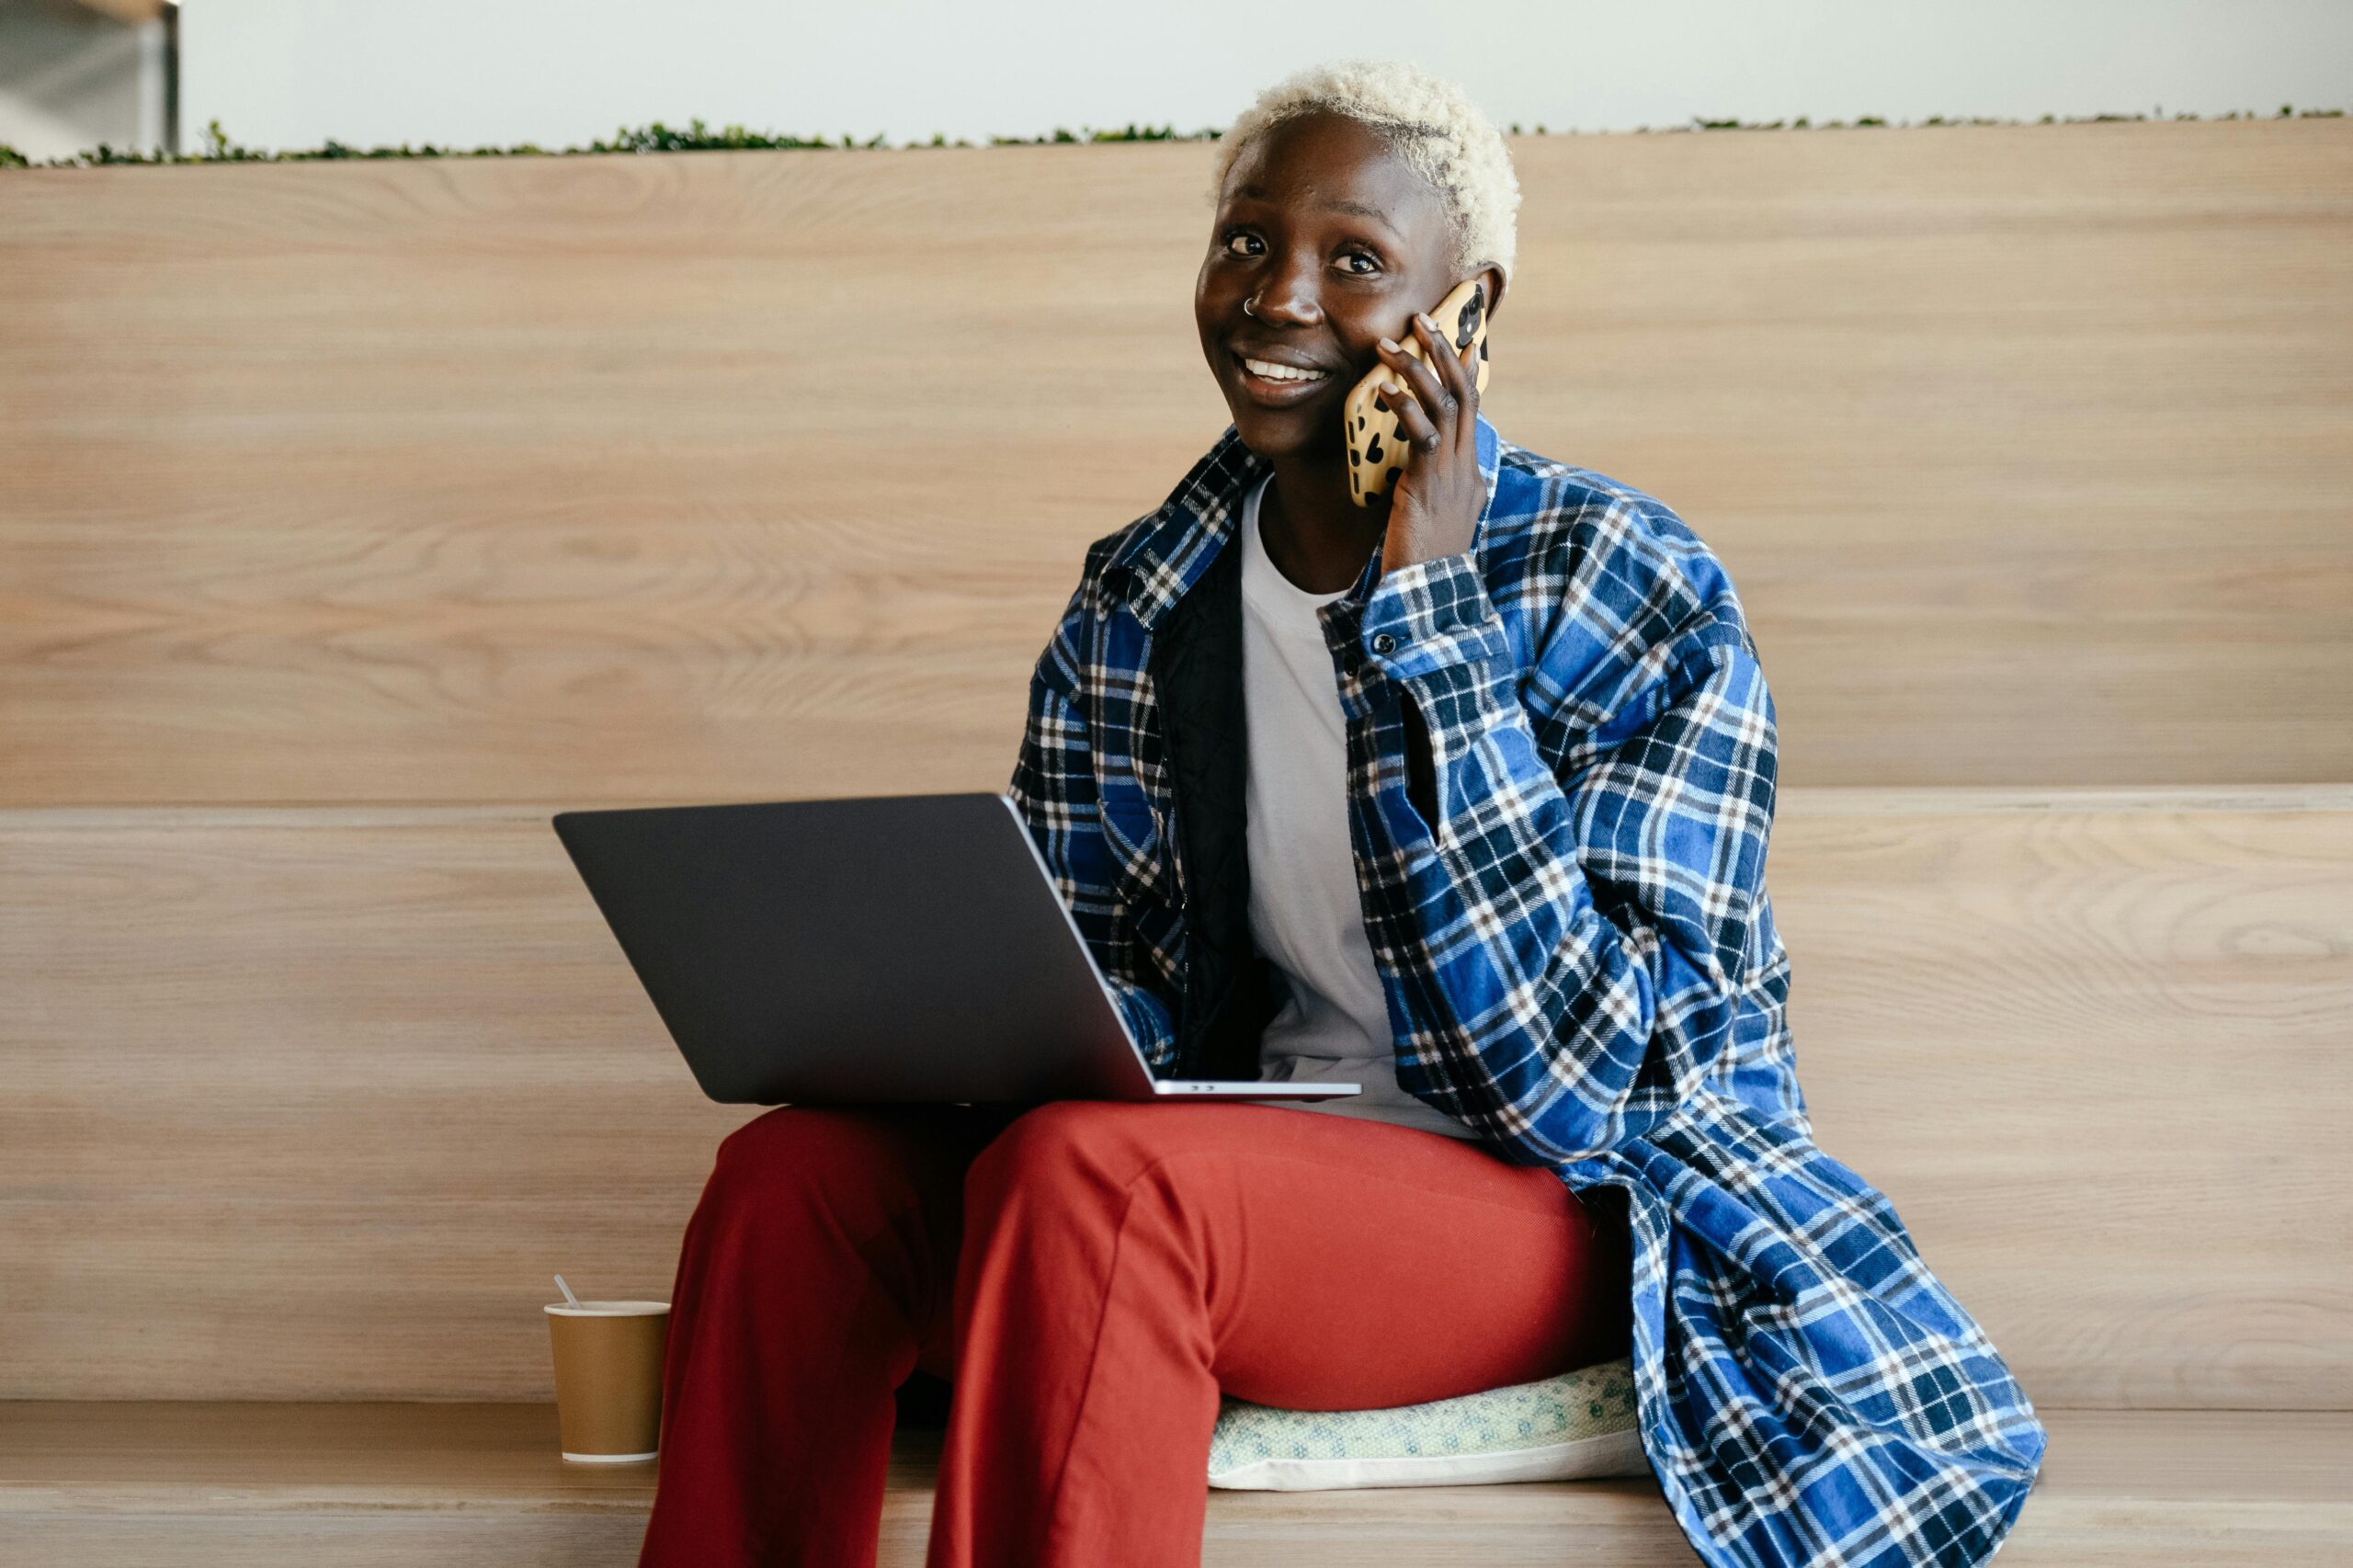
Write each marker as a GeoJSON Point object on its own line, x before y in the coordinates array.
{"type": "Point", "coordinates": [1464, 796]}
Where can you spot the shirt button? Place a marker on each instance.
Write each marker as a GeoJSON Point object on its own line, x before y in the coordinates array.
{"type": "Point", "coordinates": [1382, 643]}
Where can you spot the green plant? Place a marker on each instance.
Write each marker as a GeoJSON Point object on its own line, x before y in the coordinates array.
{"type": "Point", "coordinates": [699, 137]}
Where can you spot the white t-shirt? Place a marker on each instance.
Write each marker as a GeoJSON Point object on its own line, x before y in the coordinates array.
{"type": "Point", "coordinates": [1304, 907]}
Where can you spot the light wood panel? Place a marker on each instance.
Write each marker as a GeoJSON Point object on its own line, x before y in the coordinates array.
{"type": "Point", "coordinates": [312, 1103]}
{"type": "Point", "coordinates": [720, 475]}
{"type": "Point", "coordinates": [133, 12]}
{"type": "Point", "coordinates": [2093, 1045]}
{"type": "Point", "coordinates": [308, 1103]}
{"type": "Point", "coordinates": [458, 1486]}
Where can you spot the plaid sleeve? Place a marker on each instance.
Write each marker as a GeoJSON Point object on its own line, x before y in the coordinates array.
{"type": "Point", "coordinates": [1586, 919]}
{"type": "Point", "coordinates": [1053, 789]}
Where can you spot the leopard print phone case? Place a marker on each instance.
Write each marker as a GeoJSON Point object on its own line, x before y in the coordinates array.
{"type": "Point", "coordinates": [1376, 437]}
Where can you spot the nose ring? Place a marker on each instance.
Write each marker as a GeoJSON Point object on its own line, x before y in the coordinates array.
{"type": "Point", "coordinates": [1247, 310]}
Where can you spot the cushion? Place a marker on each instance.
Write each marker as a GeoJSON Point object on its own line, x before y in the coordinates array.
{"type": "Point", "coordinates": [1569, 1427]}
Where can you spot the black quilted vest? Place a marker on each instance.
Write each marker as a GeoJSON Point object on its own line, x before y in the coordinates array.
{"type": "Point", "coordinates": [1196, 663]}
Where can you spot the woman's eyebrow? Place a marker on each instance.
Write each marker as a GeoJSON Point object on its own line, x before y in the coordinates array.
{"type": "Point", "coordinates": [1336, 204]}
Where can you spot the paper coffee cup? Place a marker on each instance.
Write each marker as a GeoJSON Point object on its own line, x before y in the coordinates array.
{"type": "Point", "coordinates": [608, 1379]}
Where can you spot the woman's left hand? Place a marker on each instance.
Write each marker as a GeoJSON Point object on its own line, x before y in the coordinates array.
{"type": "Point", "coordinates": [1435, 504]}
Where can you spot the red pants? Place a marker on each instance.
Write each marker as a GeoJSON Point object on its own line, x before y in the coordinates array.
{"type": "Point", "coordinates": [1089, 1276]}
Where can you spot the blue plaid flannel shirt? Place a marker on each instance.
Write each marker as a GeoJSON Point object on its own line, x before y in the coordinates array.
{"type": "Point", "coordinates": [1581, 964]}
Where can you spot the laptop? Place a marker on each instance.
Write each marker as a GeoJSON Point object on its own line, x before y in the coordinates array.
{"type": "Point", "coordinates": [875, 948]}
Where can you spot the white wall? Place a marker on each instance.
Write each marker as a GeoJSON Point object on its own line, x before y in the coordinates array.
{"type": "Point", "coordinates": [471, 73]}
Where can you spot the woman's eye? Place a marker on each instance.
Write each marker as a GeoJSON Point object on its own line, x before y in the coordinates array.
{"type": "Point", "coordinates": [1355, 256]}
{"type": "Point", "coordinates": [1239, 235]}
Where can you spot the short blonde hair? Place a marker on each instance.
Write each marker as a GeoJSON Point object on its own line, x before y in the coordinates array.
{"type": "Point", "coordinates": [1426, 120]}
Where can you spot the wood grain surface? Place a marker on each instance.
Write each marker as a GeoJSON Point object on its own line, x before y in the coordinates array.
{"type": "Point", "coordinates": [171, 1485]}
{"type": "Point", "coordinates": [764, 474]}
{"type": "Point", "coordinates": [310, 1102]}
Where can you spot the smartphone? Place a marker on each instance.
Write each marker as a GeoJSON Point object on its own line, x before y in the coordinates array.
{"type": "Point", "coordinates": [1376, 437]}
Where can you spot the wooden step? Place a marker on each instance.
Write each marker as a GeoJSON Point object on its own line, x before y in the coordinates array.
{"type": "Point", "coordinates": [309, 1104]}
{"type": "Point", "coordinates": [2023, 444]}
{"type": "Point", "coordinates": [169, 1485]}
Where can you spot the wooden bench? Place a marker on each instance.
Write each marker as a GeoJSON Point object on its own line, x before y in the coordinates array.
{"type": "Point", "coordinates": [2091, 1043]}
{"type": "Point", "coordinates": [319, 1060]}
{"type": "Point", "coordinates": [166, 1485]}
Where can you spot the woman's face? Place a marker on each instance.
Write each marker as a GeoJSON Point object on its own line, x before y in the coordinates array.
{"type": "Point", "coordinates": [1336, 241]}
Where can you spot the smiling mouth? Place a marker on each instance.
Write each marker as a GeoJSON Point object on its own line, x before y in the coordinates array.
{"type": "Point", "coordinates": [1268, 380]}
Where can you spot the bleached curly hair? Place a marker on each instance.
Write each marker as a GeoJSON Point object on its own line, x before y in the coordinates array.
{"type": "Point", "coordinates": [1426, 120]}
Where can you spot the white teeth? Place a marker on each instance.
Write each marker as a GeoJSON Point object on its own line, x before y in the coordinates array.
{"type": "Point", "coordinates": [1275, 372]}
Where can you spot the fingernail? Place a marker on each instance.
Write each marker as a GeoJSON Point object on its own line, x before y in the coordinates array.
{"type": "Point", "coordinates": [1388, 343]}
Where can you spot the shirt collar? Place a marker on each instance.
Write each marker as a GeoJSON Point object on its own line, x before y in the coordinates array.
{"type": "Point", "coordinates": [1167, 553]}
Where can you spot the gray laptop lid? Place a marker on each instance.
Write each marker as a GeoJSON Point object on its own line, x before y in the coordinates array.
{"type": "Point", "coordinates": [904, 947]}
